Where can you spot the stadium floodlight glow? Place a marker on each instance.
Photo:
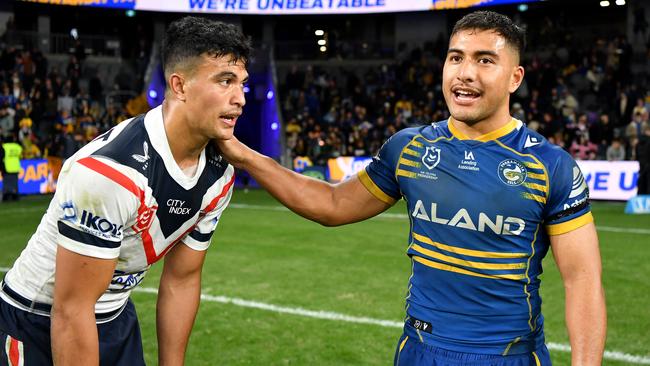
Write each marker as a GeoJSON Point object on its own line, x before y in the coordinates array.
{"type": "Point", "coordinates": [323, 48]}
{"type": "Point", "coordinates": [269, 94]}
{"type": "Point", "coordinates": [153, 94]}
{"type": "Point", "coordinates": [604, 3]}
{"type": "Point", "coordinates": [620, 2]}
{"type": "Point", "coordinates": [74, 33]}
{"type": "Point", "coordinates": [274, 126]}
{"type": "Point", "coordinates": [319, 32]}
{"type": "Point", "coordinates": [322, 42]}
{"type": "Point", "coordinates": [522, 7]}
{"type": "Point", "coordinates": [130, 13]}
{"type": "Point", "coordinates": [246, 89]}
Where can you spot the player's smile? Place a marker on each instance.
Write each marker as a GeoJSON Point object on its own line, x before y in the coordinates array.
{"type": "Point", "coordinates": [465, 96]}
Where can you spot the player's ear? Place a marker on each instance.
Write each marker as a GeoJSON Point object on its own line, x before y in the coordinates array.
{"type": "Point", "coordinates": [177, 86]}
{"type": "Point", "coordinates": [516, 78]}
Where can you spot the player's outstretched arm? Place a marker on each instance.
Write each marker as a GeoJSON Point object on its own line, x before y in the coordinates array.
{"type": "Point", "coordinates": [79, 282]}
{"type": "Point", "coordinates": [325, 203]}
{"type": "Point", "coordinates": [178, 301]}
{"type": "Point", "coordinates": [578, 258]}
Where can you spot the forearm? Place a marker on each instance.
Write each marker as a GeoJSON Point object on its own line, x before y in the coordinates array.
{"type": "Point", "coordinates": [586, 320]}
{"type": "Point", "coordinates": [178, 303]}
{"type": "Point", "coordinates": [306, 196]}
{"type": "Point", "coordinates": [74, 336]}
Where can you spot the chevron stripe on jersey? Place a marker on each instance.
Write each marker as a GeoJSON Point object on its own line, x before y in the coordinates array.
{"type": "Point", "coordinates": [123, 196]}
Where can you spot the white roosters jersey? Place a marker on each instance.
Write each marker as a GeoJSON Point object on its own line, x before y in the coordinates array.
{"type": "Point", "coordinates": [121, 196]}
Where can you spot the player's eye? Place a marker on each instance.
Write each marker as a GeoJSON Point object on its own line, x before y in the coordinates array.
{"type": "Point", "coordinates": [485, 60]}
{"type": "Point", "coordinates": [455, 58]}
{"type": "Point", "coordinates": [224, 82]}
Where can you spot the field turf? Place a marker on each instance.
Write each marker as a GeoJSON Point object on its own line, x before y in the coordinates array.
{"type": "Point", "coordinates": [266, 264]}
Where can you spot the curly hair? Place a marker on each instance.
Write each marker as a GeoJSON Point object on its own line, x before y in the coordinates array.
{"type": "Point", "coordinates": [514, 35]}
{"type": "Point", "coordinates": [190, 37]}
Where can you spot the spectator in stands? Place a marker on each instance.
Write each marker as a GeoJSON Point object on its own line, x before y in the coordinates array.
{"type": "Point", "coordinates": [583, 149]}
{"type": "Point", "coordinates": [12, 151]}
{"type": "Point", "coordinates": [640, 108]}
{"type": "Point", "coordinates": [7, 124]}
{"type": "Point", "coordinates": [616, 152]}
{"type": "Point", "coordinates": [636, 127]}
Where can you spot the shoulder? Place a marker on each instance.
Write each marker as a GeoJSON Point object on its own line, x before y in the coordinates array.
{"type": "Point", "coordinates": [550, 155]}
{"type": "Point", "coordinates": [426, 132]}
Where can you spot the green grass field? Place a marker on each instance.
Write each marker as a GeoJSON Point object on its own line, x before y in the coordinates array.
{"type": "Point", "coordinates": [265, 254]}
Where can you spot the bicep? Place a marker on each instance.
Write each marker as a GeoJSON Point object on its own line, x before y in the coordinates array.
{"type": "Point", "coordinates": [183, 262]}
{"type": "Point", "coordinates": [81, 279]}
{"type": "Point", "coordinates": [576, 253]}
{"type": "Point", "coordinates": [353, 202]}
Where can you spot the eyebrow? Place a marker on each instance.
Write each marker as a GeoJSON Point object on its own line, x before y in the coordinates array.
{"type": "Point", "coordinates": [229, 74]}
{"type": "Point", "coordinates": [475, 53]}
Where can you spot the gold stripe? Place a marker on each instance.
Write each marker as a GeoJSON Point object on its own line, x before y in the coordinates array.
{"type": "Point", "coordinates": [505, 353]}
{"type": "Point", "coordinates": [536, 176]}
{"type": "Point", "coordinates": [470, 252]}
{"type": "Point", "coordinates": [367, 182]}
{"type": "Point", "coordinates": [407, 162]}
{"type": "Point", "coordinates": [498, 133]}
{"type": "Point", "coordinates": [417, 143]}
{"type": "Point", "coordinates": [533, 165]}
{"type": "Point", "coordinates": [401, 346]}
{"type": "Point", "coordinates": [413, 142]}
{"type": "Point", "coordinates": [533, 197]}
{"type": "Point", "coordinates": [406, 173]}
{"type": "Point", "coordinates": [471, 264]}
{"type": "Point", "coordinates": [570, 225]}
{"type": "Point", "coordinates": [537, 363]}
{"type": "Point", "coordinates": [536, 186]}
{"type": "Point", "coordinates": [446, 267]}
{"type": "Point", "coordinates": [408, 151]}
{"type": "Point", "coordinates": [530, 307]}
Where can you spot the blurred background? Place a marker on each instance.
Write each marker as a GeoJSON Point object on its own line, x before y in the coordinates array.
{"type": "Point", "coordinates": [331, 80]}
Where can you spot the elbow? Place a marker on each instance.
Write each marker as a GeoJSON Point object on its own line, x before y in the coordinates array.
{"type": "Point", "coordinates": [329, 223]}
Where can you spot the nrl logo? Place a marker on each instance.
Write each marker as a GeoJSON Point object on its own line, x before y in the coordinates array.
{"type": "Point", "coordinates": [431, 157]}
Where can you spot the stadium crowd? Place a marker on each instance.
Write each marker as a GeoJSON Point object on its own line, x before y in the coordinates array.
{"type": "Point", "coordinates": [51, 112]}
{"type": "Point", "coordinates": [581, 96]}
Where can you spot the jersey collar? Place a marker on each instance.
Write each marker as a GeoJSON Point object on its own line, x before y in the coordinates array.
{"type": "Point", "coordinates": [493, 135]}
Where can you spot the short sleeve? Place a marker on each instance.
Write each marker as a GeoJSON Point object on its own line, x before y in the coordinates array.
{"type": "Point", "coordinates": [379, 176]}
{"type": "Point", "coordinates": [94, 203]}
{"type": "Point", "coordinates": [568, 207]}
{"type": "Point", "coordinates": [199, 238]}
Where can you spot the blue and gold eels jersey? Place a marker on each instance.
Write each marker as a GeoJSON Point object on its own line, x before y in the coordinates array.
{"type": "Point", "coordinates": [481, 213]}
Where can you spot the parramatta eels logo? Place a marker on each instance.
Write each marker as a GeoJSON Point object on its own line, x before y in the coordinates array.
{"type": "Point", "coordinates": [431, 157]}
{"type": "Point", "coordinates": [512, 172]}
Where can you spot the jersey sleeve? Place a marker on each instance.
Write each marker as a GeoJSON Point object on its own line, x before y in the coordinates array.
{"type": "Point", "coordinates": [199, 238]}
{"type": "Point", "coordinates": [379, 176]}
{"type": "Point", "coordinates": [568, 207]}
{"type": "Point", "coordinates": [95, 204]}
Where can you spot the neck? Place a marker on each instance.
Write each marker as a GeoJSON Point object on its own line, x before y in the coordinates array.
{"type": "Point", "coordinates": [484, 126]}
{"type": "Point", "coordinates": [185, 146]}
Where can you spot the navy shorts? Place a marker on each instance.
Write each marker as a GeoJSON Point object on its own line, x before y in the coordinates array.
{"type": "Point", "coordinates": [25, 338]}
{"type": "Point", "coordinates": [412, 352]}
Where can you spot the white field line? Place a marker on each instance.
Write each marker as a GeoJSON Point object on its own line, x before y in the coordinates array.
{"type": "Point", "coordinates": [329, 315]}
{"type": "Point", "coordinates": [385, 215]}
{"type": "Point", "coordinates": [389, 215]}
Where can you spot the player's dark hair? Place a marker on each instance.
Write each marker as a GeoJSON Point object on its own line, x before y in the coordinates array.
{"type": "Point", "coordinates": [501, 24]}
{"type": "Point", "coordinates": [191, 37]}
